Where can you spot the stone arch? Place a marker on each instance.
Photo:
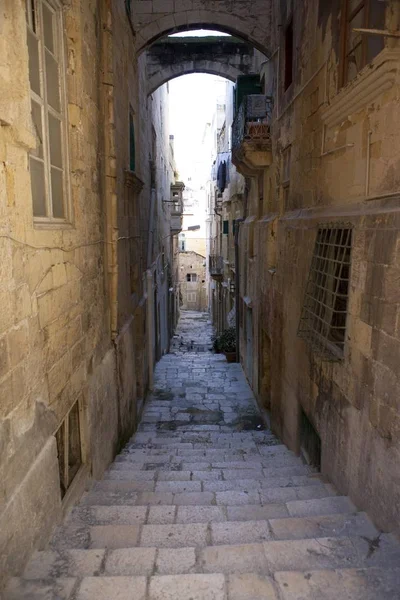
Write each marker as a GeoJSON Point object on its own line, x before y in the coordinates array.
{"type": "Point", "coordinates": [212, 68]}
{"type": "Point", "coordinates": [247, 20]}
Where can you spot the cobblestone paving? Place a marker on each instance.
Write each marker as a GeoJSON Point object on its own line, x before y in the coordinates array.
{"type": "Point", "coordinates": [205, 503]}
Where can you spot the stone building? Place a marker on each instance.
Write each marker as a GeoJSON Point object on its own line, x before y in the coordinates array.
{"type": "Point", "coordinates": [192, 281]}
{"type": "Point", "coordinates": [86, 254]}
{"type": "Point", "coordinates": [318, 243]}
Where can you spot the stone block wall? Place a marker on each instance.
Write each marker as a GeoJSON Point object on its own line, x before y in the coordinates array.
{"type": "Point", "coordinates": [74, 319]}
{"type": "Point", "coordinates": [335, 155]}
{"type": "Point", "coordinates": [342, 170]}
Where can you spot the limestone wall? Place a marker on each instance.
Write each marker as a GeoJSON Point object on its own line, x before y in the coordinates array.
{"type": "Point", "coordinates": [344, 159]}
{"type": "Point", "coordinates": [342, 144]}
{"type": "Point", "coordinates": [74, 320]}
{"type": "Point", "coordinates": [54, 326]}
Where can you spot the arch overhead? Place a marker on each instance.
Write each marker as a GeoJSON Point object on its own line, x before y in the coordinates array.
{"type": "Point", "coordinates": [176, 56]}
{"type": "Point", "coordinates": [248, 20]}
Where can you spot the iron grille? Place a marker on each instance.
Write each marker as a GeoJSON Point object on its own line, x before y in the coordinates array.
{"type": "Point", "coordinates": [216, 265]}
{"type": "Point", "coordinates": [252, 120]}
{"type": "Point", "coordinates": [323, 319]}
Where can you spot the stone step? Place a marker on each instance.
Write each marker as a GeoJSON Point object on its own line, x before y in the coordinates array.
{"type": "Point", "coordinates": [265, 558]}
{"type": "Point", "coordinates": [214, 530]}
{"type": "Point", "coordinates": [349, 584]}
{"type": "Point", "coordinates": [299, 499]}
{"type": "Point", "coordinates": [245, 473]}
{"type": "Point", "coordinates": [215, 476]}
{"type": "Point", "coordinates": [267, 492]}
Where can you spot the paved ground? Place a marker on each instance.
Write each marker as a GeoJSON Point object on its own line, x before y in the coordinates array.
{"type": "Point", "coordinates": [205, 504]}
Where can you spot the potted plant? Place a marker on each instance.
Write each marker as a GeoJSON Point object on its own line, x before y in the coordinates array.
{"type": "Point", "coordinates": [226, 343]}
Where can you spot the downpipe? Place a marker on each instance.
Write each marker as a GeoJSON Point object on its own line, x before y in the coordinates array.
{"type": "Point", "coordinates": [238, 222]}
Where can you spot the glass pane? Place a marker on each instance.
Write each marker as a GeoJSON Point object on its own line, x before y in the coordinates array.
{"type": "Point", "coordinates": [74, 444]}
{"type": "Point", "coordinates": [34, 71]}
{"type": "Point", "coordinates": [48, 28]}
{"type": "Point", "coordinates": [38, 188]}
{"type": "Point", "coordinates": [375, 44]}
{"type": "Point", "coordinates": [31, 14]}
{"type": "Point", "coordinates": [354, 37]}
{"type": "Point", "coordinates": [376, 14]}
{"type": "Point", "coordinates": [353, 5]}
{"type": "Point", "coordinates": [55, 142]}
{"type": "Point", "coordinates": [57, 193]}
{"type": "Point", "coordinates": [38, 128]}
{"type": "Point", "coordinates": [354, 62]}
{"type": "Point", "coordinates": [61, 458]}
{"type": "Point", "coordinates": [53, 82]}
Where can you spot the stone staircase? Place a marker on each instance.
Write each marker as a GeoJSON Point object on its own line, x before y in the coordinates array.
{"type": "Point", "coordinates": [203, 504]}
{"type": "Point", "coordinates": [226, 518]}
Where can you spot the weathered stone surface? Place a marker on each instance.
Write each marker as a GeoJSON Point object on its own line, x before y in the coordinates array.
{"type": "Point", "coordinates": [182, 587]}
{"type": "Point", "coordinates": [234, 543]}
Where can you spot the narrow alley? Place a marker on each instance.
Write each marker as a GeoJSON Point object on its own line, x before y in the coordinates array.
{"type": "Point", "coordinates": [204, 503]}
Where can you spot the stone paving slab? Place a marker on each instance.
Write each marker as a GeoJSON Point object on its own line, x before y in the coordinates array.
{"type": "Point", "coordinates": [348, 584]}
{"type": "Point", "coordinates": [205, 503]}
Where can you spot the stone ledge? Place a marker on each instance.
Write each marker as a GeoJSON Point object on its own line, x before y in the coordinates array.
{"type": "Point", "coordinates": [371, 82]}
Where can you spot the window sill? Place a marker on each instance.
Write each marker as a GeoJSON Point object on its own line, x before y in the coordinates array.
{"type": "Point", "coordinates": [374, 79]}
{"type": "Point", "coordinates": [46, 225]}
{"type": "Point", "coordinates": [131, 180]}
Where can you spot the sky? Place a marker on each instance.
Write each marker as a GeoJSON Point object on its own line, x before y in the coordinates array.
{"type": "Point", "coordinates": [192, 103]}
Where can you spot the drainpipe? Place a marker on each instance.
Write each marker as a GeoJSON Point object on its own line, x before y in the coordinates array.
{"type": "Point", "coordinates": [237, 291]}
{"type": "Point", "coordinates": [150, 325]}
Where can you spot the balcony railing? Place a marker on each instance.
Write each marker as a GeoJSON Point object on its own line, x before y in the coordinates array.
{"type": "Point", "coordinates": [216, 266]}
{"type": "Point", "coordinates": [251, 132]}
{"type": "Point", "coordinates": [177, 208]}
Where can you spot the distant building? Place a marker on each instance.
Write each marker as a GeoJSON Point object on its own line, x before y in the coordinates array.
{"type": "Point", "coordinates": [192, 280]}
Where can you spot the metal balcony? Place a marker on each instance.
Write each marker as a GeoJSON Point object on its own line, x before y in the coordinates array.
{"type": "Point", "coordinates": [216, 267]}
{"type": "Point", "coordinates": [251, 134]}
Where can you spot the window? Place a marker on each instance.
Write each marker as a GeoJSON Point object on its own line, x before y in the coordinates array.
{"type": "Point", "coordinates": [358, 49]}
{"type": "Point", "coordinates": [323, 320]}
{"type": "Point", "coordinates": [46, 75]}
{"type": "Point", "coordinates": [182, 242]}
{"type": "Point", "coordinates": [132, 158]}
{"type": "Point", "coordinates": [192, 277]}
{"type": "Point", "coordinates": [69, 449]}
{"type": "Point", "coordinates": [225, 227]}
{"type": "Point", "coordinates": [288, 78]}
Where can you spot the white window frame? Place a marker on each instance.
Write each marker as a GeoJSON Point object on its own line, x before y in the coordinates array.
{"type": "Point", "coordinates": [56, 7]}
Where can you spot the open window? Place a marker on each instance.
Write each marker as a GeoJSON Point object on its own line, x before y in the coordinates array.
{"type": "Point", "coordinates": [358, 49]}
{"type": "Point", "coordinates": [48, 160]}
{"type": "Point", "coordinates": [289, 45]}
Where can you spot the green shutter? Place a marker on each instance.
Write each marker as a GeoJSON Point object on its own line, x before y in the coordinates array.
{"type": "Point", "coordinates": [247, 85]}
{"type": "Point", "coordinates": [131, 143]}
{"type": "Point", "coordinates": [225, 227]}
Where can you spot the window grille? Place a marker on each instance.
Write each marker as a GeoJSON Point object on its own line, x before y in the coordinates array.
{"type": "Point", "coordinates": [69, 448]}
{"type": "Point", "coordinates": [323, 319]}
{"type": "Point", "coordinates": [46, 75]}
